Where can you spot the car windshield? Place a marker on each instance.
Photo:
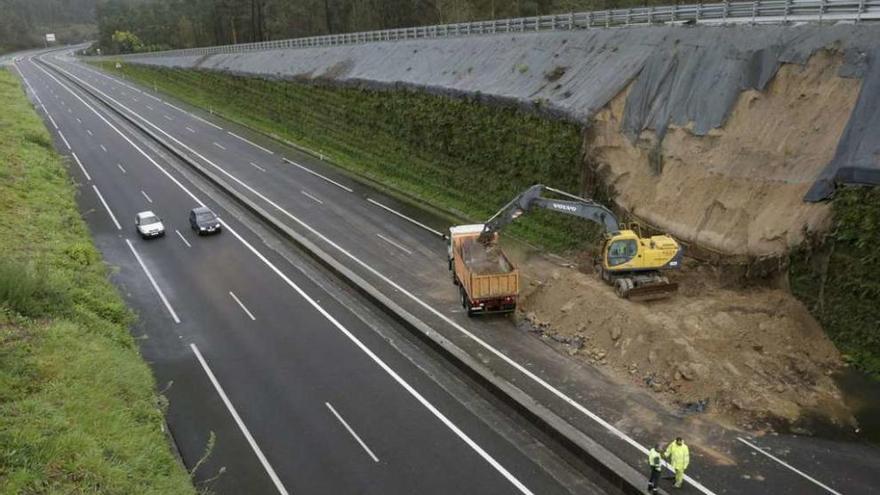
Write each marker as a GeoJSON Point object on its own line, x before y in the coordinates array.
{"type": "Point", "coordinates": [149, 220]}
{"type": "Point", "coordinates": [205, 217]}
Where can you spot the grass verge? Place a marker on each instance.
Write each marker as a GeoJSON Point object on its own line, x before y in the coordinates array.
{"type": "Point", "coordinates": [455, 154]}
{"type": "Point", "coordinates": [78, 408]}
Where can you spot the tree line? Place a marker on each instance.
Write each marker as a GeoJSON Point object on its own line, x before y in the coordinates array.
{"type": "Point", "coordinates": [24, 23]}
{"type": "Point", "coordinates": [140, 25]}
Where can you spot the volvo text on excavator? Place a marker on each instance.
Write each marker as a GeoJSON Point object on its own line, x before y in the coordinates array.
{"type": "Point", "coordinates": [632, 264]}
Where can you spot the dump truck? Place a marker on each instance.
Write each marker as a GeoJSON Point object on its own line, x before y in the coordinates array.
{"type": "Point", "coordinates": [487, 281]}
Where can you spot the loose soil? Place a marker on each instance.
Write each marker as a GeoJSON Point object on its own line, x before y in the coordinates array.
{"type": "Point", "coordinates": [753, 357]}
{"type": "Point", "coordinates": [739, 190]}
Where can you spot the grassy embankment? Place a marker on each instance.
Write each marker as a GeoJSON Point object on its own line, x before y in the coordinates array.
{"type": "Point", "coordinates": [454, 154]}
{"type": "Point", "coordinates": [838, 277]}
{"type": "Point", "coordinates": [78, 408]}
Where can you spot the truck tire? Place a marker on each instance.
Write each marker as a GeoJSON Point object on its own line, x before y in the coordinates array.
{"type": "Point", "coordinates": [621, 287]}
{"type": "Point", "coordinates": [465, 303]}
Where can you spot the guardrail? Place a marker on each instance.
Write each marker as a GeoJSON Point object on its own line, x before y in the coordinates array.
{"type": "Point", "coordinates": [754, 12]}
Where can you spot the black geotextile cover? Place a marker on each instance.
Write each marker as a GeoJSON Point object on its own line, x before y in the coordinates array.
{"type": "Point", "coordinates": [679, 75]}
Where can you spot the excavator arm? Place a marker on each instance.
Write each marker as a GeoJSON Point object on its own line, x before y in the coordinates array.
{"type": "Point", "coordinates": [532, 198]}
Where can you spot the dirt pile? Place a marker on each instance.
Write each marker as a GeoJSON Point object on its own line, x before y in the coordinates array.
{"type": "Point", "coordinates": [738, 190]}
{"type": "Point", "coordinates": [749, 357]}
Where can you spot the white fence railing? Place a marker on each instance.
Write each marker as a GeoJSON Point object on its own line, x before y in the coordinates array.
{"type": "Point", "coordinates": [754, 12]}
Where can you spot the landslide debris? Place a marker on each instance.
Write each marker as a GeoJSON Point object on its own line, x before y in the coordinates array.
{"type": "Point", "coordinates": [745, 356]}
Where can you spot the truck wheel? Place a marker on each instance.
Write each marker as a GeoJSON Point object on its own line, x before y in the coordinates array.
{"type": "Point", "coordinates": [621, 287]}
{"type": "Point", "coordinates": [463, 298]}
{"type": "Point", "coordinates": [450, 263]}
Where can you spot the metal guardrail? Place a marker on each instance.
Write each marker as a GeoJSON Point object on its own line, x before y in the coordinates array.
{"type": "Point", "coordinates": [754, 12]}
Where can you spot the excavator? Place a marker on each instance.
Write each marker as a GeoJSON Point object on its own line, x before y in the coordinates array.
{"type": "Point", "coordinates": [629, 262]}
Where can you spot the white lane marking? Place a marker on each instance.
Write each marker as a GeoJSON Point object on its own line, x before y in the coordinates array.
{"type": "Point", "coordinates": [215, 126]}
{"type": "Point", "coordinates": [64, 139]}
{"type": "Point", "coordinates": [69, 110]}
{"type": "Point", "coordinates": [261, 169]}
{"type": "Point", "coordinates": [78, 121]}
{"type": "Point", "coordinates": [167, 117]}
{"type": "Point", "coordinates": [789, 466]}
{"type": "Point", "coordinates": [522, 369]}
{"type": "Point", "coordinates": [219, 146]}
{"type": "Point", "coordinates": [76, 159]}
{"type": "Point", "coordinates": [51, 119]}
{"type": "Point", "coordinates": [62, 103]}
{"type": "Point", "coordinates": [243, 308]}
{"type": "Point", "coordinates": [175, 107]}
{"type": "Point", "coordinates": [241, 426]}
{"type": "Point", "coordinates": [351, 431]}
{"type": "Point", "coordinates": [393, 243]}
{"type": "Point", "coordinates": [153, 282]}
{"type": "Point", "coordinates": [190, 129]}
{"type": "Point", "coordinates": [182, 238]}
{"type": "Point", "coordinates": [316, 200]}
{"type": "Point", "coordinates": [148, 107]}
{"type": "Point", "coordinates": [107, 207]}
{"type": "Point", "coordinates": [147, 197]}
{"type": "Point", "coordinates": [134, 99]}
{"type": "Point", "coordinates": [255, 145]}
{"type": "Point", "coordinates": [401, 215]}
{"type": "Point", "coordinates": [153, 97]}
{"type": "Point", "coordinates": [89, 132]}
{"type": "Point", "coordinates": [121, 168]}
{"type": "Point", "coordinates": [103, 148]}
{"type": "Point", "coordinates": [316, 174]}
{"type": "Point", "coordinates": [393, 374]}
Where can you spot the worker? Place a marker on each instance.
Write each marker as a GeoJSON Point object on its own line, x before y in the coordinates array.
{"type": "Point", "coordinates": [679, 457]}
{"type": "Point", "coordinates": [655, 463]}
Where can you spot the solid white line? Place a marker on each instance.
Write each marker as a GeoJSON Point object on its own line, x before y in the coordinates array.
{"type": "Point", "coordinates": [51, 119]}
{"type": "Point", "coordinates": [64, 139]}
{"type": "Point", "coordinates": [219, 146]}
{"type": "Point", "coordinates": [148, 107]}
{"type": "Point", "coordinates": [316, 174]}
{"type": "Point", "coordinates": [393, 243]}
{"type": "Point", "coordinates": [401, 215]}
{"type": "Point", "coordinates": [789, 466]}
{"type": "Point", "coordinates": [350, 430]}
{"type": "Point", "coordinates": [261, 169]}
{"type": "Point", "coordinates": [244, 430]}
{"type": "Point", "coordinates": [153, 97]}
{"type": "Point", "coordinates": [147, 197]}
{"type": "Point", "coordinates": [250, 315]}
{"type": "Point", "coordinates": [107, 207]}
{"type": "Point", "coordinates": [175, 107]}
{"type": "Point", "coordinates": [316, 200]}
{"type": "Point", "coordinates": [250, 142]}
{"type": "Point", "coordinates": [167, 117]}
{"type": "Point", "coordinates": [89, 132]}
{"type": "Point", "coordinates": [76, 159]}
{"type": "Point", "coordinates": [215, 126]}
{"type": "Point", "coordinates": [103, 148]}
{"type": "Point", "coordinates": [182, 238]}
{"type": "Point", "coordinates": [190, 129]}
{"type": "Point", "coordinates": [120, 168]}
{"type": "Point", "coordinates": [153, 282]}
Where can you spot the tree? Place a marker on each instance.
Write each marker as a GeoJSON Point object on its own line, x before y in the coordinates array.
{"type": "Point", "coordinates": [126, 42]}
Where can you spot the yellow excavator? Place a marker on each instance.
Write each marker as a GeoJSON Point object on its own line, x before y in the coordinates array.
{"type": "Point", "coordinates": [632, 264]}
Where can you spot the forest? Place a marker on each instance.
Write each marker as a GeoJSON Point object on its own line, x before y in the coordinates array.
{"type": "Point", "coordinates": [23, 23]}
{"type": "Point", "coordinates": [145, 25]}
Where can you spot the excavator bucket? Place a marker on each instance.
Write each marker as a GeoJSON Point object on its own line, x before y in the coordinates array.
{"type": "Point", "coordinates": [651, 292]}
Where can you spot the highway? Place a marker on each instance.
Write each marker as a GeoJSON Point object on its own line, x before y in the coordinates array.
{"type": "Point", "coordinates": [304, 387]}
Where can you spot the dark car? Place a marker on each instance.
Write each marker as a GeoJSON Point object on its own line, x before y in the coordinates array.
{"type": "Point", "coordinates": [204, 221]}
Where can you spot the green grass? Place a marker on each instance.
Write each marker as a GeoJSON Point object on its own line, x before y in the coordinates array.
{"type": "Point", "coordinates": [458, 155]}
{"type": "Point", "coordinates": [838, 277]}
{"type": "Point", "coordinates": [79, 412]}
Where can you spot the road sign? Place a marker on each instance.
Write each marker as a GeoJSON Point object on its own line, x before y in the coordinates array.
{"type": "Point", "coordinates": [50, 38]}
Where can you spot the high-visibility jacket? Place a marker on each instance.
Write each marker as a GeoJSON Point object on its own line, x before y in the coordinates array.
{"type": "Point", "coordinates": [678, 455]}
{"type": "Point", "coordinates": [654, 459]}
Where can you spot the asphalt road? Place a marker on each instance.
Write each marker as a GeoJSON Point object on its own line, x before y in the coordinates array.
{"type": "Point", "coordinates": [392, 249]}
{"type": "Point", "coordinates": [301, 392]}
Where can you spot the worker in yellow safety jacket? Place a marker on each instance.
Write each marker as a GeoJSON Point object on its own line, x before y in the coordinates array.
{"type": "Point", "coordinates": [678, 456]}
{"type": "Point", "coordinates": [655, 462]}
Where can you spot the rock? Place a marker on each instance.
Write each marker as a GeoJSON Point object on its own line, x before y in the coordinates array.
{"type": "Point", "coordinates": [555, 275]}
{"type": "Point", "coordinates": [573, 350]}
{"type": "Point", "coordinates": [615, 332]}
{"type": "Point", "coordinates": [687, 372]}
{"type": "Point", "coordinates": [780, 388]}
{"type": "Point", "coordinates": [531, 317]}
{"type": "Point", "coordinates": [758, 348]}
{"type": "Point", "coordinates": [677, 375]}
{"type": "Point", "coordinates": [600, 355]}
{"type": "Point", "coordinates": [568, 306]}
{"type": "Point", "coordinates": [576, 342]}
{"type": "Point", "coordinates": [652, 356]}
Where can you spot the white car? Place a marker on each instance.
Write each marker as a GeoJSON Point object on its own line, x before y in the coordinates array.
{"type": "Point", "coordinates": [149, 225]}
